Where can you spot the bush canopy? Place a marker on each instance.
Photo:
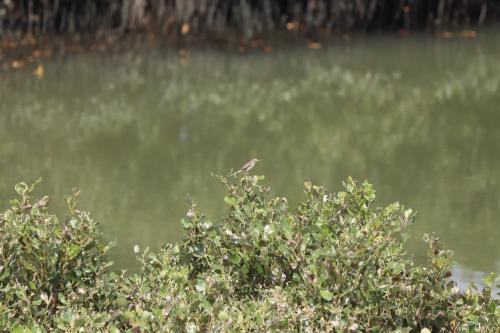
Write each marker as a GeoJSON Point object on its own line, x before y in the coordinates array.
{"type": "Point", "coordinates": [334, 263]}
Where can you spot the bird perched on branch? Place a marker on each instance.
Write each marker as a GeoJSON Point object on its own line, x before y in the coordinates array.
{"type": "Point", "coordinates": [247, 166]}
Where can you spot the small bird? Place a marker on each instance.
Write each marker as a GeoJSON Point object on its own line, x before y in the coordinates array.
{"type": "Point", "coordinates": [247, 166]}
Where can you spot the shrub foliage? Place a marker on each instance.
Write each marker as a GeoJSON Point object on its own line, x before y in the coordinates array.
{"type": "Point", "coordinates": [50, 268]}
{"type": "Point", "coordinates": [332, 264]}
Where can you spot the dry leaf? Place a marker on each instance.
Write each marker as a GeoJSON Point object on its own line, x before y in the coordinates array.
{"type": "Point", "coordinates": [37, 53]}
{"type": "Point", "coordinates": [446, 34]}
{"type": "Point", "coordinates": [469, 34]}
{"type": "Point", "coordinates": [314, 45]}
{"type": "Point", "coordinates": [16, 64]}
{"type": "Point", "coordinates": [292, 25]}
{"type": "Point", "coordinates": [185, 29]}
{"type": "Point", "coordinates": [39, 71]}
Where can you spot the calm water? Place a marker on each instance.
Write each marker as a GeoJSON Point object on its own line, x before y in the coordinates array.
{"type": "Point", "coordinates": [418, 117]}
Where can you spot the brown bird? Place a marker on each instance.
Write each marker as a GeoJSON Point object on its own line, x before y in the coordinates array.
{"type": "Point", "coordinates": [247, 166]}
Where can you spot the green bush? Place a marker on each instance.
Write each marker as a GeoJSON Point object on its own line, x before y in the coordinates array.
{"type": "Point", "coordinates": [49, 267]}
{"type": "Point", "coordinates": [333, 264]}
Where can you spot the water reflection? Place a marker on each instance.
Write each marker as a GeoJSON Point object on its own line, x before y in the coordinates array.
{"type": "Point", "coordinates": [136, 132]}
{"type": "Point", "coordinates": [463, 276]}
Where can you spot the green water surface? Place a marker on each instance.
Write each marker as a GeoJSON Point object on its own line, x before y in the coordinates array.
{"type": "Point", "coordinates": [419, 117]}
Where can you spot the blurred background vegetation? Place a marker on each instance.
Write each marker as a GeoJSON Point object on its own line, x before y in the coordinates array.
{"type": "Point", "coordinates": [241, 17]}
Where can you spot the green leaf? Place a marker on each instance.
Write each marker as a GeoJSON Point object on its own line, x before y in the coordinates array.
{"type": "Point", "coordinates": [230, 200]}
{"type": "Point", "coordinates": [492, 306]}
{"type": "Point", "coordinates": [114, 329]}
{"type": "Point", "coordinates": [21, 188]}
{"type": "Point", "coordinates": [326, 295]}
{"type": "Point", "coordinates": [349, 185]}
{"type": "Point", "coordinates": [206, 305]}
{"type": "Point", "coordinates": [72, 250]}
{"type": "Point", "coordinates": [223, 316]}
{"type": "Point", "coordinates": [402, 330]}
{"type": "Point", "coordinates": [8, 215]}
{"type": "Point", "coordinates": [21, 329]}
{"type": "Point", "coordinates": [186, 224]}
{"type": "Point", "coordinates": [73, 222]}
{"type": "Point", "coordinates": [28, 265]}
{"type": "Point", "coordinates": [489, 279]}
{"type": "Point", "coordinates": [200, 285]}
{"type": "Point", "coordinates": [5, 274]}
{"type": "Point", "coordinates": [61, 298]}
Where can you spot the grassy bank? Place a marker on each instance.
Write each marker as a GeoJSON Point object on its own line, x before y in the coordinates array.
{"type": "Point", "coordinates": [333, 263]}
